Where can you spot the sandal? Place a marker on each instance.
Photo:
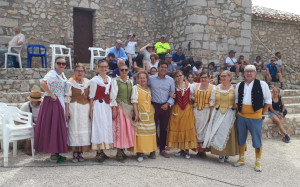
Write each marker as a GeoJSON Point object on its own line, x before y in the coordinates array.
{"type": "Point", "coordinates": [123, 154]}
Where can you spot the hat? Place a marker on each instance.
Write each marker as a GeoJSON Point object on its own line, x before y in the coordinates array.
{"type": "Point", "coordinates": [250, 67]}
{"type": "Point", "coordinates": [168, 55]}
{"type": "Point", "coordinates": [35, 95]}
{"type": "Point", "coordinates": [163, 36]}
{"type": "Point", "coordinates": [232, 51]}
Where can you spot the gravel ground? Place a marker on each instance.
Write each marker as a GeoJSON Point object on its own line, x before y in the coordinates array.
{"type": "Point", "coordinates": [280, 162]}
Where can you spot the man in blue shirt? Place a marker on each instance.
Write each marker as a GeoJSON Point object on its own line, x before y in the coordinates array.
{"type": "Point", "coordinates": [178, 57]}
{"type": "Point", "coordinates": [171, 65]}
{"type": "Point", "coordinates": [118, 51]}
{"type": "Point", "coordinates": [274, 72]}
{"type": "Point", "coordinates": [162, 86]}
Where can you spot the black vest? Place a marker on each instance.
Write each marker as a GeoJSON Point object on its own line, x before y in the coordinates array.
{"type": "Point", "coordinates": [257, 96]}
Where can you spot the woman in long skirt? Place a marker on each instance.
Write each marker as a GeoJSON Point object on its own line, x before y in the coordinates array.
{"type": "Point", "coordinates": [77, 113]}
{"type": "Point", "coordinates": [181, 129]}
{"type": "Point", "coordinates": [101, 113]}
{"type": "Point", "coordinates": [120, 100]}
{"type": "Point", "coordinates": [50, 135]}
{"type": "Point", "coordinates": [221, 134]}
{"type": "Point", "coordinates": [203, 94]}
{"type": "Point", "coordinates": [145, 131]}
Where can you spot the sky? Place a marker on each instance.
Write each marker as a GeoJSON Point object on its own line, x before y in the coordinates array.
{"type": "Point", "coordinates": [292, 6]}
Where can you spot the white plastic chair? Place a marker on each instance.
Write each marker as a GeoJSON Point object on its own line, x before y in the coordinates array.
{"type": "Point", "coordinates": [58, 50]}
{"type": "Point", "coordinates": [2, 107]}
{"type": "Point", "coordinates": [13, 133]}
{"type": "Point", "coordinates": [96, 55]}
{"type": "Point", "coordinates": [12, 53]}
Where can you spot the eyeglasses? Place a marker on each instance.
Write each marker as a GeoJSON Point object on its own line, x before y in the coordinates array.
{"type": "Point", "coordinates": [223, 76]}
{"type": "Point", "coordinates": [178, 76]}
{"type": "Point", "coordinates": [103, 66]}
{"type": "Point", "coordinates": [203, 77]}
{"type": "Point", "coordinates": [119, 43]}
{"type": "Point", "coordinates": [249, 71]}
{"type": "Point", "coordinates": [79, 71]}
{"type": "Point", "coordinates": [122, 70]}
{"type": "Point", "coordinates": [61, 64]}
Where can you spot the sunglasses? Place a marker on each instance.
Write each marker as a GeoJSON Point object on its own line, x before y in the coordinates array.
{"type": "Point", "coordinates": [178, 76]}
{"type": "Point", "coordinates": [119, 43]}
{"type": "Point", "coordinates": [122, 70]}
{"type": "Point", "coordinates": [61, 64]}
{"type": "Point", "coordinates": [79, 71]}
{"type": "Point", "coordinates": [203, 77]}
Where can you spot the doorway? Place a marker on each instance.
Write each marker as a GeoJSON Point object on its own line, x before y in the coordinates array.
{"type": "Point", "coordinates": [83, 34]}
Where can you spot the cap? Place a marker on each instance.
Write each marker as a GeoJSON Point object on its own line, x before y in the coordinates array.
{"type": "Point", "coordinates": [35, 95]}
{"type": "Point", "coordinates": [168, 55]}
{"type": "Point", "coordinates": [163, 36]}
{"type": "Point", "coordinates": [250, 67]}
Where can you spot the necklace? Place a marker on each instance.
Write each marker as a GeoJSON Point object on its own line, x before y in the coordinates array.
{"type": "Point", "coordinates": [59, 73]}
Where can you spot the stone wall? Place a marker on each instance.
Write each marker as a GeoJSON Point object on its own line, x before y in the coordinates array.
{"type": "Point", "coordinates": [270, 36]}
{"type": "Point", "coordinates": [212, 26]}
{"type": "Point", "coordinates": [50, 21]}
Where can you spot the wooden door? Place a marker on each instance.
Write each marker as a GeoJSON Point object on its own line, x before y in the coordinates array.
{"type": "Point", "coordinates": [83, 34]}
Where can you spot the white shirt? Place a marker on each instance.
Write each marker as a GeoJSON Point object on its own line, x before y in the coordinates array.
{"type": "Point", "coordinates": [196, 70]}
{"type": "Point", "coordinates": [230, 61]}
{"type": "Point", "coordinates": [248, 90]}
{"type": "Point", "coordinates": [35, 110]}
{"type": "Point", "coordinates": [257, 63]}
{"type": "Point", "coordinates": [15, 40]}
{"type": "Point", "coordinates": [130, 48]}
{"type": "Point", "coordinates": [151, 65]}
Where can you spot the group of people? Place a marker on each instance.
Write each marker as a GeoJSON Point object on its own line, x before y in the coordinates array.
{"type": "Point", "coordinates": [143, 113]}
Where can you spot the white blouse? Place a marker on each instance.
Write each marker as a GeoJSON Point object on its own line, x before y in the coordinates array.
{"type": "Point", "coordinates": [72, 83]}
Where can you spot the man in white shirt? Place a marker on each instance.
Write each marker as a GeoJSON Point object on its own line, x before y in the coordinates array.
{"type": "Point", "coordinates": [32, 106]}
{"type": "Point", "coordinates": [253, 98]}
{"type": "Point", "coordinates": [130, 45]}
{"type": "Point", "coordinates": [17, 40]}
{"type": "Point", "coordinates": [231, 63]}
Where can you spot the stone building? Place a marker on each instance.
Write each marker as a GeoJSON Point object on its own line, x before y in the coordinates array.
{"type": "Point", "coordinates": [207, 29]}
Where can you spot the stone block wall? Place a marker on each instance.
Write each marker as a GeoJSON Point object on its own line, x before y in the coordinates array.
{"type": "Point", "coordinates": [212, 26]}
{"type": "Point", "coordinates": [51, 21]}
{"type": "Point", "coordinates": [270, 36]}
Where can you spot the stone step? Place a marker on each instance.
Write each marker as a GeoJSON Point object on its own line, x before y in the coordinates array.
{"type": "Point", "coordinates": [293, 108]}
{"type": "Point", "coordinates": [291, 125]}
{"type": "Point", "coordinates": [270, 130]}
{"type": "Point", "coordinates": [34, 73]}
{"type": "Point", "coordinates": [291, 99]}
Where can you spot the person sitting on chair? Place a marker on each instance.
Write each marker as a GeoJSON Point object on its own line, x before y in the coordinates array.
{"type": "Point", "coordinates": [17, 40]}
{"type": "Point", "coordinates": [32, 106]}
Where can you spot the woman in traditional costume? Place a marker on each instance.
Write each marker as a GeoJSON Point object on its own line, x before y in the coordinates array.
{"type": "Point", "coordinates": [181, 129]}
{"type": "Point", "coordinates": [50, 135]}
{"type": "Point", "coordinates": [77, 113]}
{"type": "Point", "coordinates": [145, 131]}
{"type": "Point", "coordinates": [202, 93]}
{"type": "Point", "coordinates": [122, 111]}
{"type": "Point", "coordinates": [101, 113]}
{"type": "Point", "coordinates": [221, 134]}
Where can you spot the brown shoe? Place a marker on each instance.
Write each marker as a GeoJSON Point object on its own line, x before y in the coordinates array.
{"type": "Point", "coordinates": [164, 154]}
{"type": "Point", "coordinates": [152, 155]}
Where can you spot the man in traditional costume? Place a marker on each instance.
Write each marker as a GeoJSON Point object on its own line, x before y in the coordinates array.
{"type": "Point", "coordinates": [252, 97]}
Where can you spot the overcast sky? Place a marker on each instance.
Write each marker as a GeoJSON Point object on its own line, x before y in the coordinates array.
{"type": "Point", "coordinates": [292, 6]}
